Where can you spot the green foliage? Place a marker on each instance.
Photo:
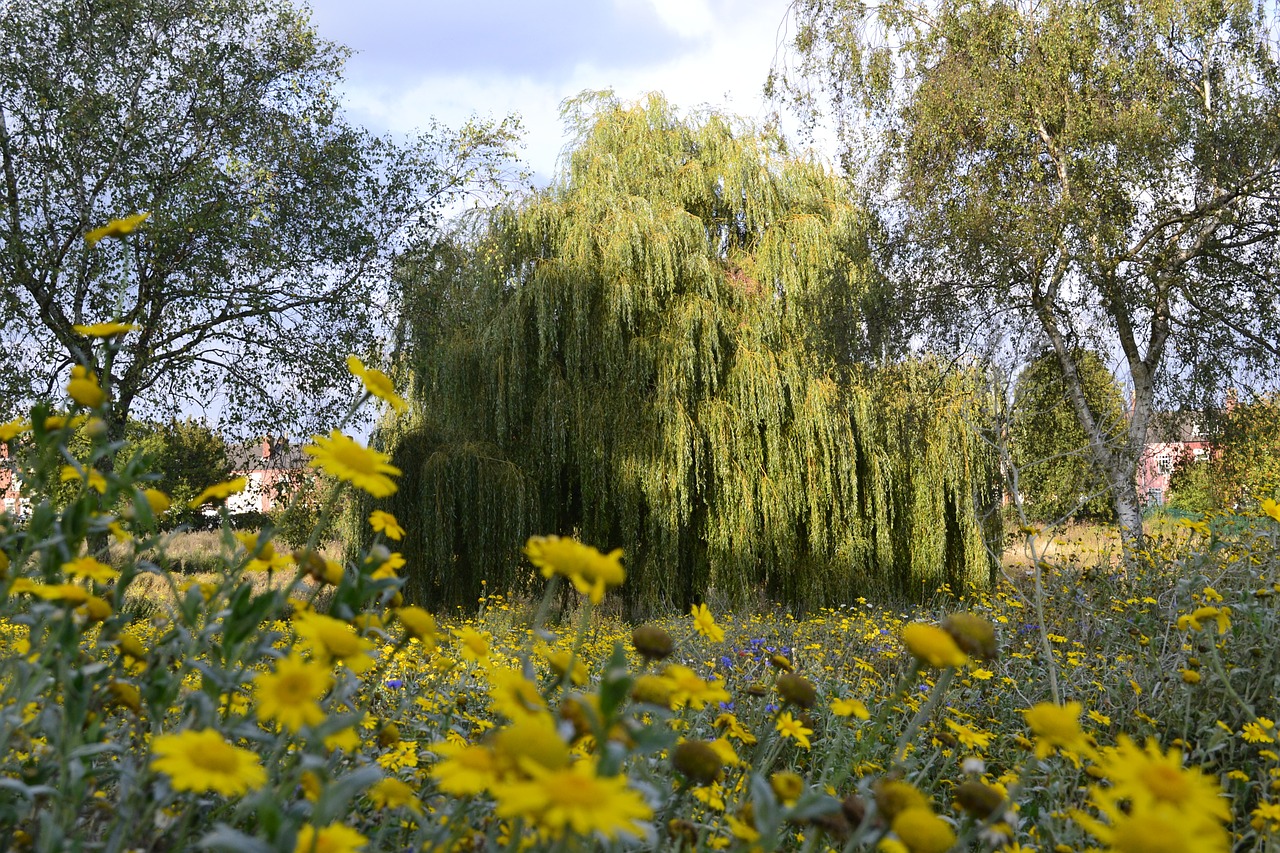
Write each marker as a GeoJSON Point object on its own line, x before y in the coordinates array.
{"type": "Point", "coordinates": [1193, 487]}
{"type": "Point", "coordinates": [189, 456]}
{"type": "Point", "coordinates": [1248, 466]}
{"type": "Point", "coordinates": [1058, 477]}
{"type": "Point", "coordinates": [643, 356]}
{"type": "Point", "coordinates": [1068, 174]}
{"type": "Point", "coordinates": [300, 512]}
{"type": "Point", "coordinates": [1243, 467]}
{"type": "Point", "coordinates": [273, 222]}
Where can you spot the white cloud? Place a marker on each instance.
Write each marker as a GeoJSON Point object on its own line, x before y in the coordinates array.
{"type": "Point", "coordinates": [724, 66]}
{"type": "Point", "coordinates": [686, 18]}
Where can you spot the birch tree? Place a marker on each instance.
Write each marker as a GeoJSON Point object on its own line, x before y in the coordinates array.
{"type": "Point", "coordinates": [1105, 174]}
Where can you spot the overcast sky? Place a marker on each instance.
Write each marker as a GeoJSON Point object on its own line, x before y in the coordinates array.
{"type": "Point", "coordinates": [418, 59]}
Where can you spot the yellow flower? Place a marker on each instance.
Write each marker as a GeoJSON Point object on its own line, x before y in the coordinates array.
{"type": "Point", "coordinates": [705, 624]}
{"type": "Point", "coordinates": [67, 593]}
{"type": "Point", "coordinates": [932, 645]}
{"type": "Point", "coordinates": [157, 500]}
{"type": "Point", "coordinates": [850, 708]}
{"type": "Point", "coordinates": [104, 330]}
{"type": "Point", "coordinates": [1271, 508]}
{"type": "Point", "coordinates": [1146, 776]}
{"type": "Point", "coordinates": [84, 388]}
{"type": "Point", "coordinates": [969, 737]}
{"type": "Point", "coordinates": [376, 383]}
{"type": "Point", "coordinates": [1200, 527]}
{"type": "Point", "coordinates": [334, 838]}
{"type": "Point", "coordinates": [333, 639]}
{"type": "Point", "coordinates": [688, 687]}
{"type": "Point", "coordinates": [1190, 676]}
{"type": "Point", "coordinates": [117, 228]}
{"type": "Point", "coordinates": [923, 831]}
{"type": "Point", "coordinates": [386, 524]}
{"type": "Point", "coordinates": [392, 794]}
{"type": "Point", "coordinates": [1055, 726]}
{"type": "Point", "coordinates": [475, 644]}
{"type": "Point", "coordinates": [788, 786]}
{"type": "Point", "coordinates": [290, 695]}
{"type": "Point", "coordinates": [591, 572]}
{"type": "Point", "coordinates": [88, 567]}
{"type": "Point", "coordinates": [574, 799]}
{"type": "Point", "coordinates": [1156, 829]}
{"type": "Point", "coordinates": [464, 769]}
{"type": "Point", "coordinates": [92, 476]}
{"type": "Point", "coordinates": [1191, 621]}
{"type": "Point", "coordinates": [1266, 815]}
{"type": "Point", "coordinates": [344, 458]}
{"type": "Point", "coordinates": [202, 761]}
{"type": "Point", "coordinates": [1261, 730]}
{"type": "Point", "coordinates": [9, 430]}
{"type": "Point", "coordinates": [514, 696]}
{"type": "Point", "coordinates": [735, 728]}
{"type": "Point", "coordinates": [420, 624]}
{"type": "Point", "coordinates": [220, 491]}
{"type": "Point", "coordinates": [793, 729]}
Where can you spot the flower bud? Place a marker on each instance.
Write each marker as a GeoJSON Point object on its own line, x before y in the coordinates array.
{"type": "Point", "coordinates": [652, 642]}
{"type": "Point", "coordinates": [797, 689]}
{"type": "Point", "coordinates": [974, 635]}
{"type": "Point", "coordinates": [697, 761]}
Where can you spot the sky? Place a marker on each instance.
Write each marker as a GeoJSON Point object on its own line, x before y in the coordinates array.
{"type": "Point", "coordinates": [416, 60]}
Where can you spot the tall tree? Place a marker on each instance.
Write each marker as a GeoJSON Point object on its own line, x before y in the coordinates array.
{"type": "Point", "coordinates": [1103, 173]}
{"type": "Point", "coordinates": [273, 223]}
{"type": "Point", "coordinates": [1057, 476]}
{"type": "Point", "coordinates": [642, 356]}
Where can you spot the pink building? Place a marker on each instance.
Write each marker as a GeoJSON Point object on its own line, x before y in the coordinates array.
{"type": "Point", "coordinates": [11, 499]}
{"type": "Point", "coordinates": [274, 470]}
{"type": "Point", "coordinates": [1170, 438]}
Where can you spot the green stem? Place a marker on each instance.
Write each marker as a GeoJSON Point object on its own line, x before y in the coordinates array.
{"type": "Point", "coordinates": [925, 712]}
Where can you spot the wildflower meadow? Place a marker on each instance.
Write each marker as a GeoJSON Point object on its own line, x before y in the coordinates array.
{"type": "Point", "coordinates": [299, 703]}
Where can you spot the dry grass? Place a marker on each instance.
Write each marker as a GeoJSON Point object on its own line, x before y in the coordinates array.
{"type": "Point", "coordinates": [195, 557]}
{"type": "Point", "coordinates": [1077, 545]}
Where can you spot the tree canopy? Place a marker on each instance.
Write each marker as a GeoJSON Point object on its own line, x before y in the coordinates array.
{"type": "Point", "coordinates": [644, 356]}
{"type": "Point", "coordinates": [1104, 175]}
{"type": "Point", "coordinates": [273, 223]}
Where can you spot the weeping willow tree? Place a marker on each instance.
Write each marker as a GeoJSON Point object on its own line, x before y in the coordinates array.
{"type": "Point", "coordinates": [647, 356]}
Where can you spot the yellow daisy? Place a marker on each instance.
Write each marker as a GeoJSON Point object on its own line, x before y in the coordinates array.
{"type": "Point", "coordinates": [591, 572]}
{"type": "Point", "coordinates": [290, 694]}
{"type": "Point", "coordinates": [932, 645]}
{"type": "Point", "coordinates": [334, 838]}
{"type": "Point", "coordinates": [117, 228]}
{"type": "Point", "coordinates": [793, 729]}
{"type": "Point", "coordinates": [386, 524]}
{"type": "Point", "coordinates": [332, 639]}
{"type": "Point", "coordinates": [88, 567]}
{"type": "Point", "coordinates": [705, 623]}
{"type": "Point", "coordinates": [346, 459]}
{"type": "Point", "coordinates": [376, 383]}
{"type": "Point", "coordinates": [575, 799]}
{"type": "Point", "coordinates": [203, 761]}
{"type": "Point", "coordinates": [220, 491]}
{"type": "Point", "coordinates": [104, 330]}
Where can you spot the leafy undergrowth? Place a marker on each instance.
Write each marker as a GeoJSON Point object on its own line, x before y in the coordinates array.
{"type": "Point", "coordinates": [1084, 707]}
